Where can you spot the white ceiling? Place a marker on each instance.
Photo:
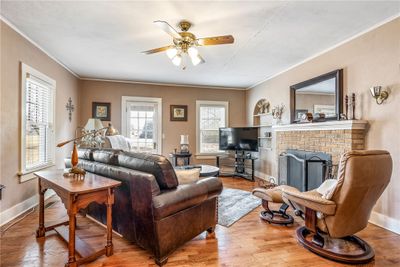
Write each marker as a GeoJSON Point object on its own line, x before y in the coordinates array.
{"type": "Point", "coordinates": [104, 39]}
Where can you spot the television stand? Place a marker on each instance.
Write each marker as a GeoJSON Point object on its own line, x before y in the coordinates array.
{"type": "Point", "coordinates": [242, 165]}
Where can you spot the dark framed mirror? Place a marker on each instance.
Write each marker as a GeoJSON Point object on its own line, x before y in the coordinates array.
{"type": "Point", "coordinates": [322, 94]}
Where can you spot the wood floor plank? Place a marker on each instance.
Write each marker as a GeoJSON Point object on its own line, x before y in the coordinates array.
{"type": "Point", "coordinates": [248, 242]}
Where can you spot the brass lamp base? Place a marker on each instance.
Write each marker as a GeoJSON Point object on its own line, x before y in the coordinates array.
{"type": "Point", "coordinates": [76, 172]}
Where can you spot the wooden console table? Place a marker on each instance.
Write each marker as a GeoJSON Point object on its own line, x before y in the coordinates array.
{"type": "Point", "coordinates": [77, 194]}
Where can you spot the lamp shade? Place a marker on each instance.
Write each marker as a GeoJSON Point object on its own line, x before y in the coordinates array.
{"type": "Point", "coordinates": [93, 125]}
{"type": "Point", "coordinates": [184, 139]}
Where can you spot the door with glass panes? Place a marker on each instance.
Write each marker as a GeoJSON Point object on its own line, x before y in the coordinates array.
{"type": "Point", "coordinates": [142, 125]}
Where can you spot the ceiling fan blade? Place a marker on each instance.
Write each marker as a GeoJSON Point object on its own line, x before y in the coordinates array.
{"type": "Point", "coordinates": [216, 40]}
{"type": "Point", "coordinates": [163, 25]}
{"type": "Point", "coordinates": [156, 50]}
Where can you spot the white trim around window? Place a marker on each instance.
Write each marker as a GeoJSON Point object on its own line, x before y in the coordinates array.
{"type": "Point", "coordinates": [205, 103]}
{"type": "Point", "coordinates": [44, 106]}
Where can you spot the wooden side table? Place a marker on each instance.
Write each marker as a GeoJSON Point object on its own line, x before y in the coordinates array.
{"type": "Point", "coordinates": [77, 194]}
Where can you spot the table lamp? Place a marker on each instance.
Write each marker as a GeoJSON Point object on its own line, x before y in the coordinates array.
{"type": "Point", "coordinates": [184, 143]}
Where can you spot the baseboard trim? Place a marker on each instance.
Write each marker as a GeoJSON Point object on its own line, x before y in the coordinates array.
{"type": "Point", "coordinates": [384, 221]}
{"type": "Point", "coordinates": [265, 176]}
{"type": "Point", "coordinates": [16, 210]}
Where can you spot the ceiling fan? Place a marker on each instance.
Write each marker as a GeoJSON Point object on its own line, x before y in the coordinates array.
{"type": "Point", "coordinates": [185, 43]}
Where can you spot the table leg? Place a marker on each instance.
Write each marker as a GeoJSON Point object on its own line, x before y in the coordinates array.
{"type": "Point", "coordinates": [71, 241]}
{"type": "Point", "coordinates": [109, 246]}
{"type": "Point", "coordinates": [41, 231]}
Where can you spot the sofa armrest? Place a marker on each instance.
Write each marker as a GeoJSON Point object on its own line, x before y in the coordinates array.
{"type": "Point", "coordinates": [185, 196]}
{"type": "Point", "coordinates": [310, 199]}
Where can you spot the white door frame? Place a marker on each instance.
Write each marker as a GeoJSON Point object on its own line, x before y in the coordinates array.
{"type": "Point", "coordinates": [157, 100]}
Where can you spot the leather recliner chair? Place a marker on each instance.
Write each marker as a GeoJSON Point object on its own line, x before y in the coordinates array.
{"type": "Point", "coordinates": [331, 222]}
{"type": "Point", "coordinates": [151, 209]}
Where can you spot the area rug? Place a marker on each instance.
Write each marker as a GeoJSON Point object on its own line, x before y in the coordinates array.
{"type": "Point", "coordinates": [233, 204]}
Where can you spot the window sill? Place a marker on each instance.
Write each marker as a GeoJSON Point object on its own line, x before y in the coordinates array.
{"type": "Point", "coordinates": [25, 176]}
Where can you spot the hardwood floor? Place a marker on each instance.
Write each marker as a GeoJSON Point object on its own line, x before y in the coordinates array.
{"type": "Point", "coordinates": [249, 242]}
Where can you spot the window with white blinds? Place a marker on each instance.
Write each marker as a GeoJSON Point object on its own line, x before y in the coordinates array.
{"type": "Point", "coordinates": [37, 136]}
{"type": "Point", "coordinates": [211, 115]}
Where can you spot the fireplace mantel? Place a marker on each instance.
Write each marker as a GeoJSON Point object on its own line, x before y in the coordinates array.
{"type": "Point", "coordinates": [320, 126]}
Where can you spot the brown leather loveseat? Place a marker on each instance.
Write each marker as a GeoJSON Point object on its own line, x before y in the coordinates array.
{"type": "Point", "coordinates": [150, 208]}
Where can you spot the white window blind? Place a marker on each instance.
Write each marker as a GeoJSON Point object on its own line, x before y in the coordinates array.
{"type": "Point", "coordinates": [211, 115]}
{"type": "Point", "coordinates": [37, 136]}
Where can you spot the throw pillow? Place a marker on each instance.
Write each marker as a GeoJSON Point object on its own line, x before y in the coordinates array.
{"type": "Point", "coordinates": [327, 187]}
{"type": "Point", "coordinates": [188, 176]}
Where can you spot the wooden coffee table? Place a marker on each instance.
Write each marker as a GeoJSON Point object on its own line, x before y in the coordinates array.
{"type": "Point", "coordinates": [77, 194]}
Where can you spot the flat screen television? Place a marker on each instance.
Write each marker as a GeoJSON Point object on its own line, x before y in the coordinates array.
{"type": "Point", "coordinates": [238, 139]}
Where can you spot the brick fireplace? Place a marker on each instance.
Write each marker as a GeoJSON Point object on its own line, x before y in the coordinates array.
{"type": "Point", "coordinates": [331, 137]}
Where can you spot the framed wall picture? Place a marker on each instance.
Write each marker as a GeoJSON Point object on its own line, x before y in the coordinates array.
{"type": "Point", "coordinates": [178, 113]}
{"type": "Point", "coordinates": [101, 111]}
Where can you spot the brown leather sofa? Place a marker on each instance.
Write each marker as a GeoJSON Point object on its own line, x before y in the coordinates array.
{"type": "Point", "coordinates": [150, 208]}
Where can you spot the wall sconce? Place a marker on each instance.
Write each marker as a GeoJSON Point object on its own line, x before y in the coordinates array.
{"type": "Point", "coordinates": [379, 95]}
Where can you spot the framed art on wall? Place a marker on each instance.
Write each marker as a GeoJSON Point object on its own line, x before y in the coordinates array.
{"type": "Point", "coordinates": [101, 111]}
{"type": "Point", "coordinates": [178, 113]}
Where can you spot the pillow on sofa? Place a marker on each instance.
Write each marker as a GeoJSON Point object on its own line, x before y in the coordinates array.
{"type": "Point", "coordinates": [188, 176]}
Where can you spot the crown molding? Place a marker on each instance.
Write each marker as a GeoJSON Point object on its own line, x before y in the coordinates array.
{"type": "Point", "coordinates": [163, 84]}
{"type": "Point", "coordinates": [12, 26]}
{"type": "Point", "coordinates": [326, 50]}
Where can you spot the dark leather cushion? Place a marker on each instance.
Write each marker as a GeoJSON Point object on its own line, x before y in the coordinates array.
{"type": "Point", "coordinates": [86, 153]}
{"type": "Point", "coordinates": [106, 156]}
{"type": "Point", "coordinates": [157, 165]}
{"type": "Point", "coordinates": [185, 196]}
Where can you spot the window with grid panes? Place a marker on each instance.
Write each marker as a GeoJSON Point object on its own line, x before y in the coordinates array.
{"type": "Point", "coordinates": [37, 136]}
{"type": "Point", "coordinates": [211, 115]}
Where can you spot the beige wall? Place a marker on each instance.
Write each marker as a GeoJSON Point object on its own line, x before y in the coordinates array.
{"type": "Point", "coordinates": [16, 49]}
{"type": "Point", "coordinates": [99, 91]}
{"type": "Point", "coordinates": [371, 59]}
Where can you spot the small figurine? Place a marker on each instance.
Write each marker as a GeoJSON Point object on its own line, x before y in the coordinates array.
{"type": "Point", "coordinates": [277, 112]}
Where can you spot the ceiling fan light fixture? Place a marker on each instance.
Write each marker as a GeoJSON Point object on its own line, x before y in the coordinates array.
{"type": "Point", "coordinates": [177, 60]}
{"type": "Point", "coordinates": [193, 52]}
{"type": "Point", "coordinates": [196, 60]}
{"type": "Point", "coordinates": [172, 52]}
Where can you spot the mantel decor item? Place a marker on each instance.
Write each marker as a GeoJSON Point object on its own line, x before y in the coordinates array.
{"type": "Point", "coordinates": [75, 171]}
{"type": "Point", "coordinates": [101, 111]}
{"type": "Point", "coordinates": [379, 94]}
{"type": "Point", "coordinates": [184, 143]}
{"type": "Point", "coordinates": [351, 105]}
{"type": "Point", "coordinates": [277, 112]}
{"type": "Point", "coordinates": [70, 108]}
{"type": "Point", "coordinates": [178, 113]}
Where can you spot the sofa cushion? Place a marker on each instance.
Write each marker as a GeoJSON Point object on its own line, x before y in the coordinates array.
{"type": "Point", "coordinates": [86, 153]}
{"type": "Point", "coordinates": [157, 165]}
{"type": "Point", "coordinates": [106, 156]}
{"type": "Point", "coordinates": [185, 196]}
{"type": "Point", "coordinates": [188, 176]}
